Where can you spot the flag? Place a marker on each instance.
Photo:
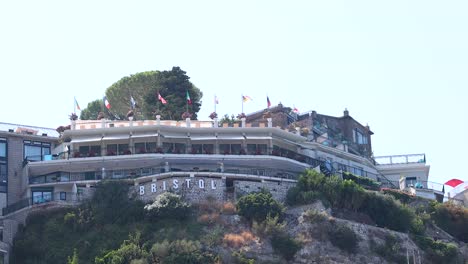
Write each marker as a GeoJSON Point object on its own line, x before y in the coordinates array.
{"type": "Point", "coordinates": [160, 98]}
{"type": "Point", "coordinates": [268, 102]}
{"type": "Point", "coordinates": [295, 110]}
{"type": "Point", "coordinates": [132, 102]}
{"type": "Point", "coordinates": [77, 105]}
{"type": "Point", "coordinates": [106, 102]}
{"type": "Point", "coordinates": [216, 101]}
{"type": "Point", "coordinates": [189, 101]}
{"type": "Point", "coordinates": [246, 98]}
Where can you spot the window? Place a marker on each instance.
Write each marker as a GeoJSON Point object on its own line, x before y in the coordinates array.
{"type": "Point", "coordinates": [3, 149]}
{"type": "Point", "coordinates": [35, 151]}
{"type": "Point", "coordinates": [63, 196]}
{"type": "Point", "coordinates": [41, 196]}
{"type": "Point", "coordinates": [359, 137]}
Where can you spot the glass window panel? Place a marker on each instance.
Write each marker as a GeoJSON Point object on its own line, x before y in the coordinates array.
{"type": "Point", "coordinates": [224, 149]}
{"type": "Point", "coordinates": [236, 149]}
{"type": "Point", "coordinates": [168, 147]}
{"type": "Point", "coordinates": [262, 149]}
{"type": "Point", "coordinates": [84, 151]}
{"type": "Point", "coordinates": [123, 149]}
{"type": "Point", "coordinates": [196, 149]}
{"type": "Point", "coordinates": [3, 149]}
{"type": "Point", "coordinates": [208, 148]}
{"type": "Point", "coordinates": [45, 151]}
{"type": "Point", "coordinates": [95, 151]}
{"type": "Point", "coordinates": [111, 149]}
{"type": "Point", "coordinates": [3, 173]}
{"type": "Point", "coordinates": [140, 148]}
{"type": "Point", "coordinates": [179, 148]}
{"type": "Point", "coordinates": [32, 153]}
{"type": "Point", "coordinates": [151, 147]}
{"type": "Point", "coordinates": [251, 149]}
{"type": "Point", "coordinates": [63, 196]}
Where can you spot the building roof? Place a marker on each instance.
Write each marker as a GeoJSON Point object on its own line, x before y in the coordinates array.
{"type": "Point", "coordinates": [28, 130]}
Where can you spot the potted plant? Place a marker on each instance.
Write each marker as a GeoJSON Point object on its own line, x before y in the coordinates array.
{"type": "Point", "coordinates": [73, 117]}
{"type": "Point", "coordinates": [213, 115]}
{"type": "Point", "coordinates": [186, 115]}
{"type": "Point", "coordinates": [100, 116]}
{"type": "Point", "coordinates": [241, 115]}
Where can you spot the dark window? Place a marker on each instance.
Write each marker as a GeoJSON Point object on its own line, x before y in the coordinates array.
{"type": "Point", "coordinates": [359, 137]}
{"type": "Point", "coordinates": [35, 151]}
{"type": "Point", "coordinates": [63, 196]}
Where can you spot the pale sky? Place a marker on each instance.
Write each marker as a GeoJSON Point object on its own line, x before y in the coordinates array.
{"type": "Point", "coordinates": [399, 66]}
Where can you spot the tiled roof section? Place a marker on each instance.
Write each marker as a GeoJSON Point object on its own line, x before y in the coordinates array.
{"type": "Point", "coordinates": [29, 130]}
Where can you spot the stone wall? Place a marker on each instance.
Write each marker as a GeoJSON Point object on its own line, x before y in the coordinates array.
{"type": "Point", "coordinates": [277, 189]}
{"type": "Point", "coordinates": [193, 189]}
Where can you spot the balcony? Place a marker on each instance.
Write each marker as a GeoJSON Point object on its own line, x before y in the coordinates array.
{"type": "Point", "coordinates": [400, 159]}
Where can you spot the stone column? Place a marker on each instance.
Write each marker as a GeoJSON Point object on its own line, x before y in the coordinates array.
{"type": "Point", "coordinates": [243, 122]}
{"type": "Point", "coordinates": [158, 120]}
{"type": "Point", "coordinates": [215, 120]}
{"type": "Point", "coordinates": [187, 121]}
{"type": "Point", "coordinates": [270, 123]}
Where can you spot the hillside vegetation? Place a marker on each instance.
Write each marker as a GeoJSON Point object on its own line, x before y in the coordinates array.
{"type": "Point", "coordinates": [326, 220]}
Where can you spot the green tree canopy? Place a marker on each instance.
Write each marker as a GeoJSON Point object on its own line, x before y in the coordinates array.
{"type": "Point", "coordinates": [144, 87]}
{"type": "Point", "coordinates": [92, 110]}
{"type": "Point", "coordinates": [172, 85]}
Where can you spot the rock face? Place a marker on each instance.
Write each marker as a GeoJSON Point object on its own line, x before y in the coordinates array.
{"type": "Point", "coordinates": [317, 248]}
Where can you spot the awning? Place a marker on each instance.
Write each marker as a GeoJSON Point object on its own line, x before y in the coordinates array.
{"type": "Point", "coordinates": [144, 135]}
{"type": "Point", "coordinates": [116, 137]}
{"type": "Point", "coordinates": [175, 136]}
{"type": "Point", "coordinates": [201, 138]}
{"type": "Point", "coordinates": [86, 139]}
{"type": "Point", "coordinates": [259, 138]}
{"type": "Point", "coordinates": [230, 137]}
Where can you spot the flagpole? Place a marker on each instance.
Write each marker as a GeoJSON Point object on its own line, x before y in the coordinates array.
{"type": "Point", "coordinates": [74, 105]}
{"type": "Point", "coordinates": [186, 100]}
{"type": "Point", "coordinates": [215, 103]}
{"type": "Point", "coordinates": [242, 99]}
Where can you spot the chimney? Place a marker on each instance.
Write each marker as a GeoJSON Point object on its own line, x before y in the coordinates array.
{"type": "Point", "coordinates": [346, 112]}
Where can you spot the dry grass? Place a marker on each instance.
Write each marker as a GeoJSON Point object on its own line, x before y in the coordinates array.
{"type": "Point", "coordinates": [229, 208]}
{"type": "Point", "coordinates": [209, 218]}
{"type": "Point", "coordinates": [237, 241]}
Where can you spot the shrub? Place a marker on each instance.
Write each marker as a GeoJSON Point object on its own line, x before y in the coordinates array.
{"type": "Point", "coordinates": [437, 251]}
{"type": "Point", "coordinates": [365, 182]}
{"type": "Point", "coordinates": [111, 204]}
{"type": "Point", "coordinates": [229, 208]}
{"type": "Point", "coordinates": [389, 250]}
{"type": "Point", "coordinates": [399, 195]}
{"type": "Point", "coordinates": [209, 219]}
{"type": "Point", "coordinates": [343, 237]}
{"type": "Point", "coordinates": [168, 205]}
{"type": "Point", "coordinates": [451, 218]}
{"type": "Point", "coordinates": [270, 226]}
{"type": "Point", "coordinates": [180, 251]}
{"type": "Point", "coordinates": [236, 241]}
{"type": "Point", "coordinates": [130, 249]}
{"type": "Point", "coordinates": [314, 216]}
{"type": "Point", "coordinates": [239, 258]}
{"type": "Point", "coordinates": [213, 237]}
{"type": "Point", "coordinates": [386, 212]}
{"type": "Point", "coordinates": [285, 246]}
{"type": "Point", "coordinates": [257, 206]}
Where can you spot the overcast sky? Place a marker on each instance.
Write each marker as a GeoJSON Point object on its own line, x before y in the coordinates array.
{"type": "Point", "coordinates": [399, 66]}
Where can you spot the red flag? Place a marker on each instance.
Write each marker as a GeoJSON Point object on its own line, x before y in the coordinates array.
{"type": "Point", "coordinates": [295, 110]}
{"type": "Point", "coordinates": [160, 98]}
{"type": "Point", "coordinates": [268, 102]}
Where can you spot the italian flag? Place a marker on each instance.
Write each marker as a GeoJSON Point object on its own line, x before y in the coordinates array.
{"type": "Point", "coordinates": [189, 101]}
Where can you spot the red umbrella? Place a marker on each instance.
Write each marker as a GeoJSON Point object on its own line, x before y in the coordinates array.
{"type": "Point", "coordinates": [454, 182]}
